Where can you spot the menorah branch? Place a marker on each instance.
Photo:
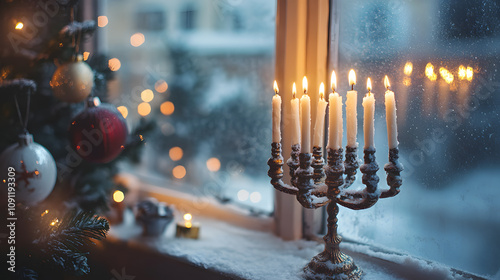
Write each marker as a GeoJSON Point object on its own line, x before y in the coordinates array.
{"type": "Point", "coordinates": [393, 169]}
{"type": "Point", "coordinates": [276, 170]}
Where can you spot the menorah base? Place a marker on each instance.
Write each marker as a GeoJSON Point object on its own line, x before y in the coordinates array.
{"type": "Point", "coordinates": [322, 266]}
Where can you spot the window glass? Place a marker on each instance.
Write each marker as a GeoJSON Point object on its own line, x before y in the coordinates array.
{"type": "Point", "coordinates": [441, 58]}
{"type": "Point", "coordinates": [208, 91]}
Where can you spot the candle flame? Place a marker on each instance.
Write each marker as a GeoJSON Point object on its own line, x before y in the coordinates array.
{"type": "Point", "coordinates": [369, 85]}
{"type": "Point", "coordinates": [429, 72]}
{"type": "Point", "coordinates": [352, 78]}
{"type": "Point", "coordinates": [188, 217]}
{"type": "Point", "coordinates": [294, 90]}
{"type": "Point", "coordinates": [333, 81]}
{"type": "Point", "coordinates": [462, 72]}
{"type": "Point", "coordinates": [321, 90]}
{"type": "Point", "coordinates": [19, 26]}
{"type": "Point", "coordinates": [446, 75]}
{"type": "Point", "coordinates": [408, 68]}
{"type": "Point", "coordinates": [304, 84]}
{"type": "Point", "coordinates": [275, 87]}
{"type": "Point", "coordinates": [470, 73]}
{"type": "Point", "coordinates": [386, 82]}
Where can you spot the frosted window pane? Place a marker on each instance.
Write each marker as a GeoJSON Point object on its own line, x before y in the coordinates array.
{"type": "Point", "coordinates": [448, 208]}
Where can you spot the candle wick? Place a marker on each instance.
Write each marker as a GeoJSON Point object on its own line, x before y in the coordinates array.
{"type": "Point", "coordinates": [352, 86]}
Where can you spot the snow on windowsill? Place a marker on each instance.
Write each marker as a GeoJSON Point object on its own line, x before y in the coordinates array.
{"type": "Point", "coordinates": [260, 255]}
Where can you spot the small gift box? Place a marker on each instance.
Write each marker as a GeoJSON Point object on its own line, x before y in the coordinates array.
{"type": "Point", "coordinates": [154, 216]}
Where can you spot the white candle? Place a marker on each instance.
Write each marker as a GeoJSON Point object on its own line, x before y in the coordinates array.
{"type": "Point", "coordinates": [276, 115]}
{"type": "Point", "coordinates": [340, 121]}
{"type": "Point", "coordinates": [351, 111]}
{"type": "Point", "coordinates": [295, 127]}
{"type": "Point", "coordinates": [319, 125]}
{"type": "Point", "coordinates": [369, 117]}
{"type": "Point", "coordinates": [333, 134]}
{"type": "Point", "coordinates": [390, 116]}
{"type": "Point", "coordinates": [305, 124]}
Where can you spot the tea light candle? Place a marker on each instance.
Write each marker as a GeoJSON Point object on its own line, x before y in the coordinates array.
{"type": "Point", "coordinates": [187, 229]}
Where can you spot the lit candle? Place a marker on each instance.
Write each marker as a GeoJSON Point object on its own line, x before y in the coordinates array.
{"type": "Point", "coordinates": [319, 125]}
{"type": "Point", "coordinates": [351, 113]}
{"type": "Point", "coordinates": [295, 131]}
{"type": "Point", "coordinates": [390, 115]}
{"type": "Point", "coordinates": [335, 112]}
{"type": "Point", "coordinates": [188, 229]}
{"type": "Point", "coordinates": [305, 125]}
{"type": "Point", "coordinates": [369, 116]}
{"type": "Point", "coordinates": [276, 115]}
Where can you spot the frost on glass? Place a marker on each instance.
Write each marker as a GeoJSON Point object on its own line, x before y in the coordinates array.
{"type": "Point", "coordinates": [210, 67]}
{"type": "Point", "coordinates": [441, 58]}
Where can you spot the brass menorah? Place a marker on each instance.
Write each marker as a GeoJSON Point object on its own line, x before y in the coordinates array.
{"type": "Point", "coordinates": [316, 185]}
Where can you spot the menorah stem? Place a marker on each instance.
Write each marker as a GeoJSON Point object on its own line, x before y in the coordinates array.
{"type": "Point", "coordinates": [293, 161]}
{"type": "Point", "coordinates": [332, 263]}
{"type": "Point", "coordinates": [318, 164]}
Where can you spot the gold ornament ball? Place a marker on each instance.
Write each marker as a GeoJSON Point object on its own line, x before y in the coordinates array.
{"type": "Point", "coordinates": [73, 81]}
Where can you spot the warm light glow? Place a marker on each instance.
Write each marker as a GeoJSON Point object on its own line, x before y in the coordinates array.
{"type": "Point", "coordinates": [167, 108]}
{"type": "Point", "coordinates": [102, 21]}
{"type": "Point", "coordinates": [179, 172]}
{"type": "Point", "coordinates": [54, 222]}
{"type": "Point", "coordinates": [19, 26]}
{"type": "Point", "coordinates": [304, 84]}
{"type": "Point", "coordinates": [147, 95]}
{"type": "Point", "coordinates": [44, 213]}
{"type": "Point", "coordinates": [462, 72]}
{"type": "Point", "coordinates": [446, 75]}
{"type": "Point", "coordinates": [123, 110]}
{"type": "Point", "coordinates": [137, 39]}
{"type": "Point", "coordinates": [114, 64]}
{"type": "Point", "coordinates": [333, 81]}
{"type": "Point", "coordinates": [352, 77]}
{"type": "Point", "coordinates": [86, 56]}
{"type": "Point", "coordinates": [470, 73]}
{"type": "Point", "coordinates": [321, 90]}
{"type": "Point", "coordinates": [275, 87]}
{"type": "Point", "coordinates": [369, 85]}
{"type": "Point", "coordinates": [144, 109]}
{"type": "Point", "coordinates": [161, 86]}
{"type": "Point", "coordinates": [294, 90]}
{"type": "Point", "coordinates": [408, 68]}
{"type": "Point", "coordinates": [429, 72]}
{"type": "Point", "coordinates": [255, 197]}
{"type": "Point", "coordinates": [242, 195]}
{"type": "Point", "coordinates": [387, 85]}
{"type": "Point", "coordinates": [188, 217]}
{"type": "Point", "coordinates": [213, 164]}
{"type": "Point", "coordinates": [118, 196]}
{"type": "Point", "coordinates": [407, 81]}
{"type": "Point", "coordinates": [175, 153]}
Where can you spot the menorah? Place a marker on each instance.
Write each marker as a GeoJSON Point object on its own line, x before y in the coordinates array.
{"type": "Point", "coordinates": [316, 185]}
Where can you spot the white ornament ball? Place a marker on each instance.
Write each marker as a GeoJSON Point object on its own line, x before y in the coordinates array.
{"type": "Point", "coordinates": [29, 168]}
{"type": "Point", "coordinates": [73, 81]}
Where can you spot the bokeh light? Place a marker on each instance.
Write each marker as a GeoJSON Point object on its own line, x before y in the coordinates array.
{"type": "Point", "coordinates": [118, 196]}
{"type": "Point", "coordinates": [188, 217]}
{"type": "Point", "coordinates": [408, 68]}
{"type": "Point", "coordinates": [167, 108]}
{"type": "Point", "coordinates": [19, 25]}
{"type": "Point", "coordinates": [255, 197]}
{"type": "Point", "coordinates": [242, 195]}
{"type": "Point", "coordinates": [137, 39]}
{"type": "Point", "coordinates": [175, 153]}
{"type": "Point", "coordinates": [147, 95]}
{"type": "Point", "coordinates": [86, 56]}
{"type": "Point", "coordinates": [123, 110]}
{"type": "Point", "coordinates": [144, 109]}
{"type": "Point", "coordinates": [114, 64]}
{"type": "Point", "coordinates": [161, 86]}
{"type": "Point", "coordinates": [213, 164]}
{"type": "Point", "coordinates": [102, 21]}
{"type": "Point", "coordinates": [179, 172]}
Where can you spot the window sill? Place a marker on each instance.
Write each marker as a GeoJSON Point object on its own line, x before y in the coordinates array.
{"type": "Point", "coordinates": [236, 253]}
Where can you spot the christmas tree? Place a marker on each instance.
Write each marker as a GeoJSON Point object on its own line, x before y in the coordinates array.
{"type": "Point", "coordinates": [50, 94]}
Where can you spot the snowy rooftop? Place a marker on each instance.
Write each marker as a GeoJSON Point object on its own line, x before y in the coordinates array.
{"type": "Point", "coordinates": [260, 255]}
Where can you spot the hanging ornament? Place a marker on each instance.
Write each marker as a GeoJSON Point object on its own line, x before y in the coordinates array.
{"type": "Point", "coordinates": [30, 168]}
{"type": "Point", "coordinates": [73, 81]}
{"type": "Point", "coordinates": [98, 134]}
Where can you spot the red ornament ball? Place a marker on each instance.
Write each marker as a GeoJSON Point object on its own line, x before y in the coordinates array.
{"type": "Point", "coordinates": [98, 134]}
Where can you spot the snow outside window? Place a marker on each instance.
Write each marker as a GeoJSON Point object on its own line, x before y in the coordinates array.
{"type": "Point", "coordinates": [204, 75]}
{"type": "Point", "coordinates": [442, 59]}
